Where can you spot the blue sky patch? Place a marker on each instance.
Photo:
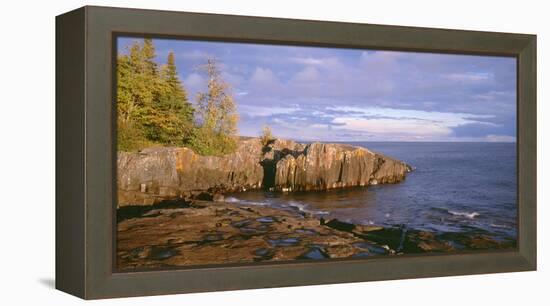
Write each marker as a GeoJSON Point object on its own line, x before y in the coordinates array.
{"type": "Point", "coordinates": [333, 94]}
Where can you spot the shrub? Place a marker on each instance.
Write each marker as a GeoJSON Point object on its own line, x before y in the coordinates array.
{"type": "Point", "coordinates": [205, 142]}
{"type": "Point", "coordinates": [131, 139]}
{"type": "Point", "coordinates": [267, 138]}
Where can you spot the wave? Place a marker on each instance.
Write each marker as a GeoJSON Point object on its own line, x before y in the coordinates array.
{"type": "Point", "coordinates": [469, 215]}
{"type": "Point", "coordinates": [290, 205]}
{"type": "Point", "coordinates": [367, 222]}
{"type": "Point", "coordinates": [302, 207]}
{"type": "Point", "coordinates": [232, 200]}
{"type": "Point", "coordinates": [499, 225]}
{"type": "Point", "coordinates": [245, 202]}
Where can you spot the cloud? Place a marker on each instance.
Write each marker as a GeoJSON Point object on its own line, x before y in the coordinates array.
{"type": "Point", "coordinates": [394, 127]}
{"type": "Point", "coordinates": [481, 130]}
{"type": "Point", "coordinates": [469, 76]}
{"type": "Point", "coordinates": [500, 138]}
{"type": "Point", "coordinates": [307, 75]}
{"type": "Point", "coordinates": [234, 80]}
{"type": "Point", "coordinates": [195, 82]}
{"type": "Point", "coordinates": [356, 123]}
{"type": "Point", "coordinates": [306, 60]}
{"type": "Point", "coordinates": [265, 111]}
{"type": "Point", "coordinates": [350, 94]}
{"type": "Point", "coordinates": [320, 126]}
{"type": "Point", "coordinates": [447, 118]}
{"type": "Point", "coordinates": [380, 60]}
{"type": "Point", "coordinates": [403, 124]}
{"type": "Point", "coordinates": [496, 95]}
{"type": "Point", "coordinates": [195, 55]}
{"type": "Point", "coordinates": [263, 79]}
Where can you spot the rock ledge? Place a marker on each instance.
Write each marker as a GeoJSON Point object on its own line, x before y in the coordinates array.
{"type": "Point", "coordinates": [160, 173]}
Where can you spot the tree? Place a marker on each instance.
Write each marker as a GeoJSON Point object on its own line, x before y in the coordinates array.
{"type": "Point", "coordinates": [152, 104]}
{"type": "Point", "coordinates": [135, 73]}
{"type": "Point", "coordinates": [170, 76]}
{"type": "Point", "coordinates": [137, 82]}
{"type": "Point", "coordinates": [149, 53]}
{"type": "Point", "coordinates": [171, 118]}
{"type": "Point", "coordinates": [216, 115]}
{"type": "Point", "coordinates": [153, 107]}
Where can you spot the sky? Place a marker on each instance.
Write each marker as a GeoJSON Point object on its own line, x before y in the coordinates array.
{"type": "Point", "coordinates": [334, 94]}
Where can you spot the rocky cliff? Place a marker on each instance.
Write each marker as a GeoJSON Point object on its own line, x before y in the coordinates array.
{"type": "Point", "coordinates": [326, 166]}
{"type": "Point", "coordinates": [156, 174]}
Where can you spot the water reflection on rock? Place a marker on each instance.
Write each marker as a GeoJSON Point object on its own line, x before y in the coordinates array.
{"type": "Point", "coordinates": [205, 233]}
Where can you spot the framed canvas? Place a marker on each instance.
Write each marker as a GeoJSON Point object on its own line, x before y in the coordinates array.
{"type": "Point", "coordinates": [200, 152]}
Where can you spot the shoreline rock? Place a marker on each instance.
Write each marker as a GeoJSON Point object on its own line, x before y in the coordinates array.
{"type": "Point", "coordinates": [328, 166]}
{"type": "Point", "coordinates": [184, 233]}
{"type": "Point", "coordinates": [160, 173]}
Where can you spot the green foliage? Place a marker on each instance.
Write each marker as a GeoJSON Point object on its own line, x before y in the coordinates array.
{"type": "Point", "coordinates": [217, 118]}
{"type": "Point", "coordinates": [171, 79]}
{"type": "Point", "coordinates": [206, 142]}
{"type": "Point", "coordinates": [131, 138]}
{"type": "Point", "coordinates": [153, 108]}
{"type": "Point", "coordinates": [152, 103]}
{"type": "Point", "coordinates": [170, 120]}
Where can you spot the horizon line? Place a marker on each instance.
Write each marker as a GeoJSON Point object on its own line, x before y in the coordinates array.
{"type": "Point", "coordinates": [411, 141]}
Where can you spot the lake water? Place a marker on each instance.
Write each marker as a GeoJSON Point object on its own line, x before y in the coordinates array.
{"type": "Point", "coordinates": [455, 187]}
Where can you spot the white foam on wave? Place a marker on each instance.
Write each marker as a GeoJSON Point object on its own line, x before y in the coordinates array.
{"type": "Point", "coordinates": [299, 206]}
{"type": "Point", "coordinates": [232, 200]}
{"type": "Point", "coordinates": [464, 214]}
{"type": "Point", "coordinates": [257, 203]}
{"type": "Point", "coordinates": [320, 212]}
{"type": "Point", "coordinates": [366, 222]}
{"type": "Point", "coordinates": [499, 225]}
{"type": "Point", "coordinates": [254, 203]}
{"type": "Point", "coordinates": [303, 208]}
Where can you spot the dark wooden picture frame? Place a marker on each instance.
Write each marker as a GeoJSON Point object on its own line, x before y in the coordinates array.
{"type": "Point", "coordinates": [86, 156]}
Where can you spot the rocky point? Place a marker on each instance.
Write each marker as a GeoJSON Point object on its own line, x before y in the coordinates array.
{"type": "Point", "coordinates": [159, 173]}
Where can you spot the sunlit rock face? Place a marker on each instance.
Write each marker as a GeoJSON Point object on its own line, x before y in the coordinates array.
{"type": "Point", "coordinates": [327, 166]}
{"type": "Point", "coordinates": [159, 173]}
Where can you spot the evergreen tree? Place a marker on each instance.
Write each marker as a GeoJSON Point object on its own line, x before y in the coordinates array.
{"type": "Point", "coordinates": [135, 96]}
{"type": "Point", "coordinates": [149, 54]}
{"type": "Point", "coordinates": [153, 107]}
{"type": "Point", "coordinates": [137, 83]}
{"type": "Point", "coordinates": [152, 104]}
{"type": "Point", "coordinates": [171, 77]}
{"type": "Point", "coordinates": [172, 115]}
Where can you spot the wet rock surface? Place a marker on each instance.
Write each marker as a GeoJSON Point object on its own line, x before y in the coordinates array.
{"type": "Point", "coordinates": [185, 233]}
